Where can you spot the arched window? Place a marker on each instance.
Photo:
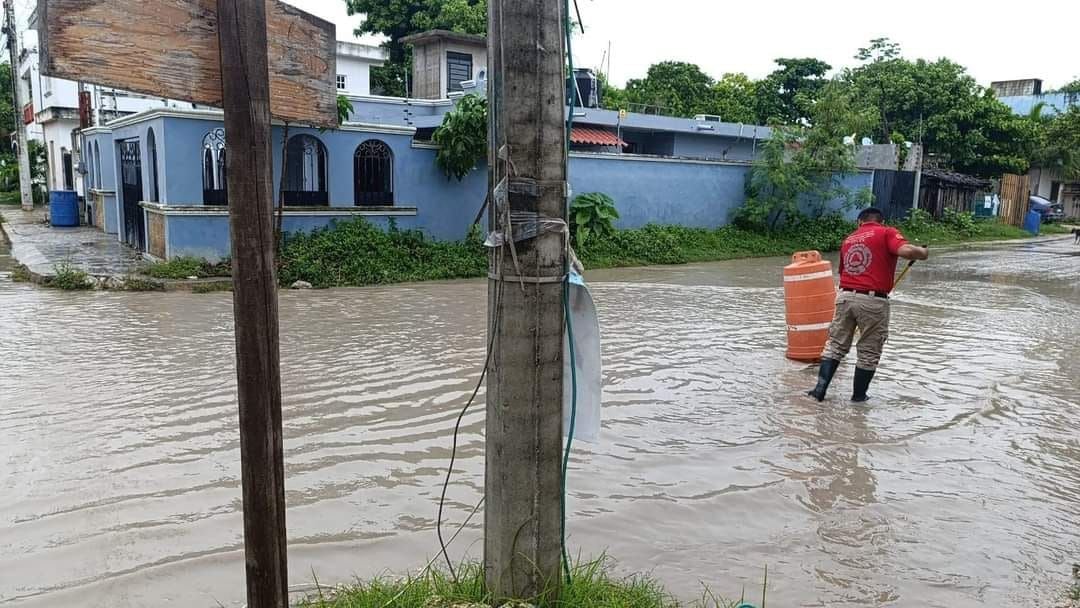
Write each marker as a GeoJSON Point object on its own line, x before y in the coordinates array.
{"type": "Point", "coordinates": [97, 165]}
{"type": "Point", "coordinates": [305, 172]}
{"type": "Point", "coordinates": [151, 155]}
{"type": "Point", "coordinates": [373, 174]}
{"type": "Point", "coordinates": [215, 190]}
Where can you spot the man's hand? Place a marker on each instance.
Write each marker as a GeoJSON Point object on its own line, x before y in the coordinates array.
{"type": "Point", "coordinates": [914, 252]}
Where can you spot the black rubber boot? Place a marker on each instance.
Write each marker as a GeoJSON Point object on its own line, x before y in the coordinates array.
{"type": "Point", "coordinates": [826, 371]}
{"type": "Point", "coordinates": [862, 382]}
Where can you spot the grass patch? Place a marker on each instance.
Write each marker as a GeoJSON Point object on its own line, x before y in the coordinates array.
{"type": "Point", "coordinates": [69, 278]}
{"type": "Point", "coordinates": [356, 252]}
{"type": "Point", "coordinates": [137, 283]}
{"type": "Point", "coordinates": [187, 267]}
{"type": "Point", "coordinates": [591, 586]}
{"type": "Point", "coordinates": [21, 274]}
{"type": "Point", "coordinates": [10, 197]}
{"type": "Point", "coordinates": [212, 287]}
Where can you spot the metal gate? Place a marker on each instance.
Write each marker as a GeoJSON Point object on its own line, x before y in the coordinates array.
{"type": "Point", "coordinates": [131, 191]}
{"type": "Point", "coordinates": [894, 193]}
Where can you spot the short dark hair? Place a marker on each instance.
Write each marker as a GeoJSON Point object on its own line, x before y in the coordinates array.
{"type": "Point", "coordinates": [872, 214]}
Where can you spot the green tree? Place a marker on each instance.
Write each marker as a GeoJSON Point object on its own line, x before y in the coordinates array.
{"type": "Point", "coordinates": [611, 96]}
{"type": "Point", "coordinates": [938, 104]}
{"type": "Point", "coordinates": [7, 105]}
{"type": "Point", "coordinates": [802, 167]}
{"type": "Point", "coordinates": [1072, 88]}
{"type": "Point", "coordinates": [674, 87]}
{"type": "Point", "coordinates": [1060, 144]}
{"type": "Point", "coordinates": [399, 18]}
{"type": "Point", "coordinates": [462, 137]}
{"type": "Point", "coordinates": [784, 97]}
{"type": "Point", "coordinates": [733, 98]}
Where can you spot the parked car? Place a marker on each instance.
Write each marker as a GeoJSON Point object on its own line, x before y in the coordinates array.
{"type": "Point", "coordinates": [1050, 211]}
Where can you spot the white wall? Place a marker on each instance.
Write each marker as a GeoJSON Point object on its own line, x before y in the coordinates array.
{"type": "Point", "coordinates": [57, 136]}
{"type": "Point", "coordinates": [357, 74]}
{"type": "Point", "coordinates": [479, 56]}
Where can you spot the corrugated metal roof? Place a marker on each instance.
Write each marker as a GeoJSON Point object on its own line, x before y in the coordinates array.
{"type": "Point", "coordinates": [595, 137]}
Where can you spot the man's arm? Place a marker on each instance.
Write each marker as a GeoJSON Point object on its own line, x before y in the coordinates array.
{"type": "Point", "coordinates": [913, 252]}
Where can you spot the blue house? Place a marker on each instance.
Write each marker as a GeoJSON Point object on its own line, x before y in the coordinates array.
{"type": "Point", "coordinates": [157, 179]}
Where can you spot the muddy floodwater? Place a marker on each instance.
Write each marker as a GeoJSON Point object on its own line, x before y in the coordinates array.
{"type": "Point", "coordinates": [957, 485]}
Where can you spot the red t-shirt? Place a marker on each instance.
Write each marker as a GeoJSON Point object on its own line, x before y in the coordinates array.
{"type": "Point", "coordinates": [868, 258]}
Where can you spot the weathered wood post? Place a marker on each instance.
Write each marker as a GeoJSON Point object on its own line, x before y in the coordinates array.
{"type": "Point", "coordinates": [523, 482]}
{"type": "Point", "coordinates": [245, 87]}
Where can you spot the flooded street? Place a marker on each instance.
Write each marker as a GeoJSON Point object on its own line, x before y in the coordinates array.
{"type": "Point", "coordinates": [957, 485]}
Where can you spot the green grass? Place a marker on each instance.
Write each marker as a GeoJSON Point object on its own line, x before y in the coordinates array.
{"type": "Point", "coordinates": [137, 283]}
{"type": "Point", "coordinates": [20, 274]}
{"type": "Point", "coordinates": [186, 267]}
{"type": "Point", "coordinates": [69, 278]}
{"type": "Point", "coordinates": [212, 287]}
{"type": "Point", "coordinates": [10, 197]}
{"type": "Point", "coordinates": [592, 586]}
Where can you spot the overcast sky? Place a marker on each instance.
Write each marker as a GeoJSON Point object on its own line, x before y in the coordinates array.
{"type": "Point", "coordinates": [996, 40]}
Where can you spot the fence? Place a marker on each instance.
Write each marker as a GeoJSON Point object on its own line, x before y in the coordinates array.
{"type": "Point", "coordinates": [1015, 190]}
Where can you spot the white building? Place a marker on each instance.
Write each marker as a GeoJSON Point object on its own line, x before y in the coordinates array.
{"type": "Point", "coordinates": [354, 63]}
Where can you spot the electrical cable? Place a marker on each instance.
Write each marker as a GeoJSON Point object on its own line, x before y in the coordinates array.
{"type": "Point", "coordinates": [566, 287]}
{"type": "Point", "coordinates": [457, 428]}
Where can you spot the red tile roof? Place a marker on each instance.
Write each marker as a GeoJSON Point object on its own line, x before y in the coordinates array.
{"type": "Point", "coordinates": [595, 137]}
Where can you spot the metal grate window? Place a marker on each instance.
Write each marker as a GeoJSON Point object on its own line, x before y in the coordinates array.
{"type": "Point", "coordinates": [458, 69]}
{"type": "Point", "coordinates": [305, 171]}
{"type": "Point", "coordinates": [373, 174]}
{"type": "Point", "coordinates": [342, 83]}
{"type": "Point", "coordinates": [215, 190]}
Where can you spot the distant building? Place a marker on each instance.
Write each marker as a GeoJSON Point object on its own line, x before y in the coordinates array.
{"type": "Point", "coordinates": [443, 62]}
{"type": "Point", "coordinates": [1012, 88]}
{"type": "Point", "coordinates": [354, 63]}
{"type": "Point", "coordinates": [1023, 96]}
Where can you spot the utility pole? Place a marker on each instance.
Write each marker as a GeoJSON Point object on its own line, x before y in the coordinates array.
{"type": "Point", "coordinates": [523, 481]}
{"type": "Point", "coordinates": [245, 84]}
{"type": "Point", "coordinates": [12, 31]}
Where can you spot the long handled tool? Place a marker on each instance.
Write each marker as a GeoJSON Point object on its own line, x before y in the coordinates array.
{"type": "Point", "coordinates": [903, 273]}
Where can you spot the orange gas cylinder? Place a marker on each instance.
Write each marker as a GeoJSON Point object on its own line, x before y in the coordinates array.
{"type": "Point", "coordinates": [810, 302]}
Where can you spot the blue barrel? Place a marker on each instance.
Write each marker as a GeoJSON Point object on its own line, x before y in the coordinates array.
{"type": "Point", "coordinates": [63, 208]}
{"type": "Point", "coordinates": [1032, 222]}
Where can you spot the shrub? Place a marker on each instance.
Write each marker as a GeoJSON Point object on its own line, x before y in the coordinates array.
{"type": "Point", "coordinates": [70, 278]}
{"type": "Point", "coordinates": [356, 252]}
{"type": "Point", "coordinates": [462, 137]}
{"type": "Point", "coordinates": [963, 222]}
{"type": "Point", "coordinates": [186, 267]}
{"type": "Point", "coordinates": [592, 214]}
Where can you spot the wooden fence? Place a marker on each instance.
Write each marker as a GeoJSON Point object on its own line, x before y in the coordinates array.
{"type": "Point", "coordinates": [1015, 190]}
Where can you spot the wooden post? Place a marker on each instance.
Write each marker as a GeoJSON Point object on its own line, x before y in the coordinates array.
{"type": "Point", "coordinates": [523, 481]}
{"type": "Point", "coordinates": [245, 84]}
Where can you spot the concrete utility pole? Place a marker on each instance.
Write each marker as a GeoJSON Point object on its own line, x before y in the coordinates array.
{"type": "Point", "coordinates": [523, 481]}
{"type": "Point", "coordinates": [12, 31]}
{"type": "Point", "coordinates": [245, 84]}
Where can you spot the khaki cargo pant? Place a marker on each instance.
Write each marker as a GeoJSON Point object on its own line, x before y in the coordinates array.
{"type": "Point", "coordinates": [867, 313]}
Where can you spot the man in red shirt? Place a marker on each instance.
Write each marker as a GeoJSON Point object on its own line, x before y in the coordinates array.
{"type": "Point", "coordinates": [867, 267]}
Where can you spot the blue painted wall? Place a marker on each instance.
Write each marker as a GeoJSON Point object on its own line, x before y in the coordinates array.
{"type": "Point", "coordinates": [648, 191]}
{"type": "Point", "coordinates": [104, 160]}
{"type": "Point", "coordinates": [1055, 102]}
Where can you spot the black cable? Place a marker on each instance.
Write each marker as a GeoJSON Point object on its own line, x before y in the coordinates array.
{"type": "Point", "coordinates": [457, 427]}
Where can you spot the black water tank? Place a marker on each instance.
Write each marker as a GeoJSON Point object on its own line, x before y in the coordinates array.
{"type": "Point", "coordinates": [588, 88]}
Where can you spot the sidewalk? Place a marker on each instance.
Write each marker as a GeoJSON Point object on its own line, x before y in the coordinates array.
{"type": "Point", "coordinates": [41, 248]}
